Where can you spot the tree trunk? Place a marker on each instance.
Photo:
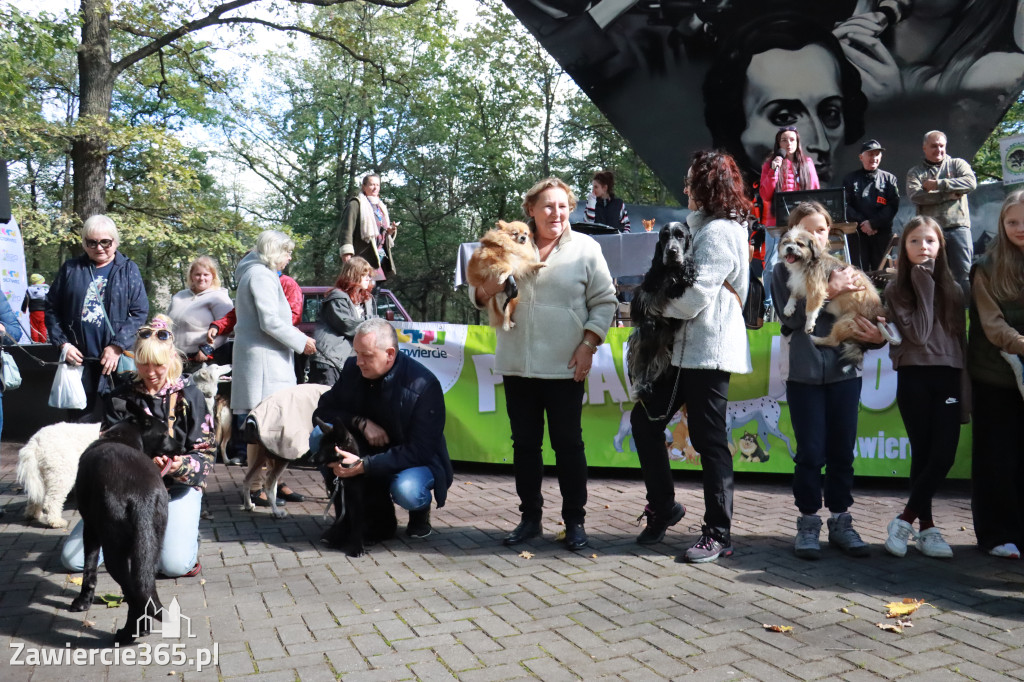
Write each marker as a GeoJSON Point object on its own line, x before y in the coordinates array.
{"type": "Point", "coordinates": [96, 86]}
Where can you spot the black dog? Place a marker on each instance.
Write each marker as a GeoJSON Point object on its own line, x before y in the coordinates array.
{"type": "Point", "coordinates": [363, 511]}
{"type": "Point", "coordinates": [672, 272]}
{"type": "Point", "coordinates": [123, 503]}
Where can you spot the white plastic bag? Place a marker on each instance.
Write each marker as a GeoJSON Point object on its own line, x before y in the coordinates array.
{"type": "Point", "coordinates": [67, 392]}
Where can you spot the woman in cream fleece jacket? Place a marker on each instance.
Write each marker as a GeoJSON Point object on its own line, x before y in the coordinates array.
{"type": "Point", "coordinates": [562, 316]}
{"type": "Point", "coordinates": [193, 309]}
{"type": "Point", "coordinates": [711, 344]}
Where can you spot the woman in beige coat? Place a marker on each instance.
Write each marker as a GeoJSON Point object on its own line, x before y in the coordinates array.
{"type": "Point", "coordinates": [562, 316]}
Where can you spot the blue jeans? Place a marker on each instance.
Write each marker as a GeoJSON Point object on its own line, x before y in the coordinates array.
{"type": "Point", "coordinates": [411, 488]}
{"type": "Point", "coordinates": [181, 539]}
{"type": "Point", "coordinates": [824, 421]}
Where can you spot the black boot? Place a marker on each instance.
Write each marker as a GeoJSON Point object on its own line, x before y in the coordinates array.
{"type": "Point", "coordinates": [527, 528]}
{"type": "Point", "coordinates": [419, 523]}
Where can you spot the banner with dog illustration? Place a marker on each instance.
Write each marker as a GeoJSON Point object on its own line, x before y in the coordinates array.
{"type": "Point", "coordinates": [761, 434]}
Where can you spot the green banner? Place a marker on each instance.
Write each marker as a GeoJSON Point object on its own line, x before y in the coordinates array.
{"type": "Point", "coordinates": [477, 430]}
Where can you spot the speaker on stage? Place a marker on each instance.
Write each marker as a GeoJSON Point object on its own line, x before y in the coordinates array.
{"type": "Point", "coordinates": [5, 193]}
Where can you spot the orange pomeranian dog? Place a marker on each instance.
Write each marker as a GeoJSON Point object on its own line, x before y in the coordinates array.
{"type": "Point", "coordinates": [505, 253]}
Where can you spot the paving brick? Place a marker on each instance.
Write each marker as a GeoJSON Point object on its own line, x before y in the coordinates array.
{"type": "Point", "coordinates": [459, 605]}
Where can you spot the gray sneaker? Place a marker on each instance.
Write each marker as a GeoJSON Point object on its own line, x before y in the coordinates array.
{"type": "Point", "coordinates": [842, 535]}
{"type": "Point", "coordinates": [808, 527]}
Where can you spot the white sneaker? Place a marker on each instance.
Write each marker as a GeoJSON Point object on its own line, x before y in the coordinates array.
{"type": "Point", "coordinates": [900, 533]}
{"type": "Point", "coordinates": [930, 542]}
{"type": "Point", "coordinates": [1005, 551]}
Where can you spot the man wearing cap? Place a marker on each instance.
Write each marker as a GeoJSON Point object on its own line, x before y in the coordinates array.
{"type": "Point", "coordinates": [872, 200]}
{"type": "Point", "coordinates": [35, 305]}
{"type": "Point", "coordinates": [938, 187]}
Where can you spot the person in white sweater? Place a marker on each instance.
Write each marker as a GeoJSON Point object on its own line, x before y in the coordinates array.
{"type": "Point", "coordinates": [710, 346]}
{"type": "Point", "coordinates": [193, 309]}
{"type": "Point", "coordinates": [563, 314]}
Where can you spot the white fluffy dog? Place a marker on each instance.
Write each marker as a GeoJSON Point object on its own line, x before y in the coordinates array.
{"type": "Point", "coordinates": [47, 467]}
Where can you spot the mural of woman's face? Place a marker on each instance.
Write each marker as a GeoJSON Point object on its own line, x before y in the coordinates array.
{"type": "Point", "coordinates": [799, 88]}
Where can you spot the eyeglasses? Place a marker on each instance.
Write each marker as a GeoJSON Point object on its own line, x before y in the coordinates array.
{"type": "Point", "coordinates": [162, 334]}
{"type": "Point", "coordinates": [101, 243]}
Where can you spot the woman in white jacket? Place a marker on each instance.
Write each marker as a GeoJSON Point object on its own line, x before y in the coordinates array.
{"type": "Point", "coordinates": [710, 345]}
{"type": "Point", "coordinates": [563, 314]}
{"type": "Point", "coordinates": [265, 339]}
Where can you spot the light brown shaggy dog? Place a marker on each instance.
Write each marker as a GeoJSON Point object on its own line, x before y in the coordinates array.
{"type": "Point", "coordinates": [809, 268]}
{"type": "Point", "coordinates": [506, 250]}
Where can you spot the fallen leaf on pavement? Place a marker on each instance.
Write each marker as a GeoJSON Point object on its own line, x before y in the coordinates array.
{"type": "Point", "coordinates": [904, 608]}
{"type": "Point", "coordinates": [88, 623]}
{"type": "Point", "coordinates": [777, 628]}
{"type": "Point", "coordinates": [526, 555]}
{"type": "Point", "coordinates": [890, 627]}
{"type": "Point", "coordinates": [559, 536]}
{"type": "Point", "coordinates": [593, 556]}
{"type": "Point", "coordinates": [112, 600]}
{"type": "Point", "coordinates": [76, 579]}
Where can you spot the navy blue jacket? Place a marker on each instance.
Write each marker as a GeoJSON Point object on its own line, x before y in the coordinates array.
{"type": "Point", "coordinates": [408, 404]}
{"type": "Point", "coordinates": [124, 299]}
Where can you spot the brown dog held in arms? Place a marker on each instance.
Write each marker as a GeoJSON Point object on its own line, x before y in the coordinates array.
{"type": "Point", "coordinates": [506, 253]}
{"type": "Point", "coordinates": [809, 268]}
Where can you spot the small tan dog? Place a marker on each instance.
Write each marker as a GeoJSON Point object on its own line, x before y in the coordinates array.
{"type": "Point", "coordinates": [809, 269]}
{"type": "Point", "coordinates": [648, 224]}
{"type": "Point", "coordinates": [506, 251]}
{"type": "Point", "coordinates": [222, 426]}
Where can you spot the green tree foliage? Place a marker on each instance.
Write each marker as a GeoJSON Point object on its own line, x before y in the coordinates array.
{"type": "Point", "coordinates": [454, 123]}
{"type": "Point", "coordinates": [987, 163]}
{"type": "Point", "coordinates": [122, 108]}
{"type": "Point", "coordinates": [590, 143]}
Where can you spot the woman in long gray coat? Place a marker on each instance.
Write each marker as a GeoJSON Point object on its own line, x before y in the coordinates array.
{"type": "Point", "coordinates": [265, 339]}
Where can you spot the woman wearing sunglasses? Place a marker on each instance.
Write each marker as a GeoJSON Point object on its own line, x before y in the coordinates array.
{"type": "Point", "coordinates": [96, 304]}
{"type": "Point", "coordinates": [177, 433]}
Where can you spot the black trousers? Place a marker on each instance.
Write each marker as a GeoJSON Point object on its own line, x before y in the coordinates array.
{"type": "Point", "coordinates": [705, 393]}
{"type": "Point", "coordinates": [997, 465]}
{"type": "Point", "coordinates": [923, 395]}
{"type": "Point", "coordinates": [561, 400]}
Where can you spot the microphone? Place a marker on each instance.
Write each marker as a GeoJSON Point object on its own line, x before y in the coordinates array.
{"type": "Point", "coordinates": [779, 154]}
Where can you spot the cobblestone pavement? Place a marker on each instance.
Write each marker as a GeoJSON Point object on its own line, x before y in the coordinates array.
{"type": "Point", "coordinates": [458, 605]}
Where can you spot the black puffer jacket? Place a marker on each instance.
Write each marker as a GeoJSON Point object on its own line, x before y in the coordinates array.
{"type": "Point", "coordinates": [408, 404]}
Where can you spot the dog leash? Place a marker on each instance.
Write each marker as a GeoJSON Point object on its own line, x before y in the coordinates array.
{"type": "Point", "coordinates": [41, 363]}
{"type": "Point", "coordinates": [338, 485]}
{"type": "Point", "coordinates": [671, 400]}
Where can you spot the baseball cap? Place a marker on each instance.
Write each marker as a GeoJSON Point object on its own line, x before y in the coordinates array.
{"type": "Point", "coordinates": [871, 145]}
